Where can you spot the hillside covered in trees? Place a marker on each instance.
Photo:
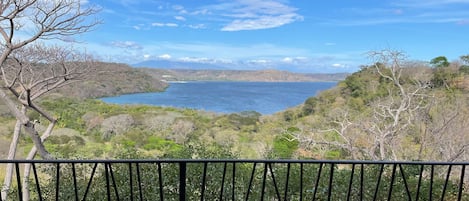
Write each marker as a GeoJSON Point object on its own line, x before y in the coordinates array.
{"type": "Point", "coordinates": [390, 110]}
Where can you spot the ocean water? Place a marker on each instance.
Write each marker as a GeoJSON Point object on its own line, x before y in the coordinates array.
{"type": "Point", "coordinates": [229, 97]}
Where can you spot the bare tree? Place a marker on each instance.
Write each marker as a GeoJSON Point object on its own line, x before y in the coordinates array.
{"type": "Point", "coordinates": [30, 69]}
{"type": "Point", "coordinates": [394, 113]}
{"type": "Point", "coordinates": [376, 131]}
{"type": "Point", "coordinates": [30, 73]}
{"type": "Point", "coordinates": [341, 126]}
{"type": "Point", "coordinates": [444, 129]}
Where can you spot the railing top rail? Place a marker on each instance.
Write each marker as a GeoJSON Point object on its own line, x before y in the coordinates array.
{"type": "Point", "coordinates": [233, 161]}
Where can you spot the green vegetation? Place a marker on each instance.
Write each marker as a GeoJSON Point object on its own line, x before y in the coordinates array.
{"type": "Point", "coordinates": [129, 80]}
{"type": "Point", "coordinates": [390, 110]}
{"type": "Point", "coordinates": [341, 123]}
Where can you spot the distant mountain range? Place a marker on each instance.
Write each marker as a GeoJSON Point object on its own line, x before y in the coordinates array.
{"type": "Point", "coordinates": [170, 64]}
{"type": "Point", "coordinates": [209, 64]}
{"type": "Point", "coordinates": [169, 75]}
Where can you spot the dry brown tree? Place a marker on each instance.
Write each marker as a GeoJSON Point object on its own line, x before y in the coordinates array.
{"type": "Point", "coordinates": [30, 69]}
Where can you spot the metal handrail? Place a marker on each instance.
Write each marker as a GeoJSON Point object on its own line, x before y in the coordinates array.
{"type": "Point", "coordinates": [241, 179]}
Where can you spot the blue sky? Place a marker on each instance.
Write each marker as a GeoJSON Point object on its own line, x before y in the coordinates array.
{"type": "Point", "coordinates": [299, 35]}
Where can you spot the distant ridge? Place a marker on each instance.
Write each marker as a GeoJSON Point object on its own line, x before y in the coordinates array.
{"type": "Point", "coordinates": [167, 64]}
{"type": "Point", "coordinates": [169, 75]}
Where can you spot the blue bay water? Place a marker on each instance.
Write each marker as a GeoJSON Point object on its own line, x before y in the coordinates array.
{"type": "Point", "coordinates": [229, 97]}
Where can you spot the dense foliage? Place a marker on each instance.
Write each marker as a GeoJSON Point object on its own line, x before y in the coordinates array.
{"type": "Point", "coordinates": [413, 112]}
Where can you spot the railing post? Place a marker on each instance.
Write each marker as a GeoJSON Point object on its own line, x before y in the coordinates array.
{"type": "Point", "coordinates": [182, 181]}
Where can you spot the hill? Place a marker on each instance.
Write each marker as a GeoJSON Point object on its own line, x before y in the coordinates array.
{"type": "Point", "coordinates": [239, 75]}
{"type": "Point", "coordinates": [113, 79]}
{"type": "Point", "coordinates": [166, 64]}
{"type": "Point", "coordinates": [382, 112]}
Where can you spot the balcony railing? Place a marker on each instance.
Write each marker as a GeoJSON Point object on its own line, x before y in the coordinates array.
{"type": "Point", "coordinates": [238, 180]}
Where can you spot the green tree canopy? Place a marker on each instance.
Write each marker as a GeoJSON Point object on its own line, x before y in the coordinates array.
{"type": "Point", "coordinates": [440, 61]}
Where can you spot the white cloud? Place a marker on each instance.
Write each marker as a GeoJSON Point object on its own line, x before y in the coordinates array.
{"type": "Point", "coordinates": [127, 45]}
{"type": "Point", "coordinates": [158, 24]}
{"type": "Point", "coordinates": [295, 60]}
{"type": "Point", "coordinates": [180, 18]}
{"type": "Point", "coordinates": [198, 59]}
{"type": "Point", "coordinates": [180, 9]}
{"type": "Point", "coordinates": [200, 12]}
{"type": "Point", "coordinates": [262, 22]}
{"type": "Point", "coordinates": [259, 61]}
{"type": "Point", "coordinates": [255, 14]}
{"type": "Point", "coordinates": [171, 25]}
{"type": "Point", "coordinates": [287, 60]}
{"type": "Point", "coordinates": [165, 56]}
{"type": "Point", "coordinates": [337, 65]}
{"type": "Point", "coordinates": [197, 26]}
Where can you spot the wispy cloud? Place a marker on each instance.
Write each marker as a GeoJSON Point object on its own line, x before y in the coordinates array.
{"type": "Point", "coordinates": [159, 24]}
{"type": "Point", "coordinates": [197, 26]}
{"type": "Point", "coordinates": [230, 56]}
{"type": "Point", "coordinates": [126, 45]}
{"type": "Point", "coordinates": [257, 14]}
{"type": "Point", "coordinates": [164, 56]}
{"type": "Point", "coordinates": [261, 22]}
{"type": "Point", "coordinates": [241, 15]}
{"type": "Point", "coordinates": [235, 15]}
{"type": "Point", "coordinates": [180, 18]}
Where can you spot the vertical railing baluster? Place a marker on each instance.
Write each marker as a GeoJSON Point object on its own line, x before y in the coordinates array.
{"type": "Point", "coordinates": [75, 187]}
{"type": "Point", "coordinates": [116, 192]}
{"type": "Point", "coordinates": [139, 181]}
{"type": "Point", "coordinates": [446, 183]}
{"type": "Point", "coordinates": [160, 182]}
{"type": "Point", "coordinates": [204, 179]}
{"type": "Point", "coordinates": [274, 181]}
{"type": "Point", "coordinates": [461, 182]}
{"type": "Point", "coordinates": [409, 196]}
{"type": "Point", "coordinates": [286, 182]}
{"type": "Point", "coordinates": [182, 181]}
{"type": "Point", "coordinates": [57, 183]}
{"type": "Point", "coordinates": [264, 178]}
{"type": "Point", "coordinates": [349, 192]}
{"type": "Point", "coordinates": [419, 182]}
{"type": "Point", "coordinates": [375, 196]}
{"type": "Point", "coordinates": [223, 181]}
{"type": "Point", "coordinates": [18, 181]}
{"type": "Point", "coordinates": [331, 177]}
{"type": "Point", "coordinates": [108, 186]}
{"type": "Point", "coordinates": [250, 180]}
{"type": "Point", "coordinates": [89, 182]}
{"type": "Point", "coordinates": [432, 171]}
{"type": "Point", "coordinates": [361, 180]}
{"type": "Point", "coordinates": [233, 182]}
{"type": "Point", "coordinates": [301, 182]}
{"type": "Point", "coordinates": [38, 186]}
{"type": "Point", "coordinates": [316, 185]}
{"type": "Point", "coordinates": [391, 185]}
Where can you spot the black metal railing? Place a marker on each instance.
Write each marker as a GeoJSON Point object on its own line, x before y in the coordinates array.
{"type": "Point", "coordinates": [209, 179]}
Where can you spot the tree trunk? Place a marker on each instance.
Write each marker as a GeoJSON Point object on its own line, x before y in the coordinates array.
{"type": "Point", "coordinates": [382, 149]}
{"type": "Point", "coordinates": [31, 155]}
{"type": "Point", "coordinates": [28, 126]}
{"type": "Point", "coordinates": [11, 155]}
